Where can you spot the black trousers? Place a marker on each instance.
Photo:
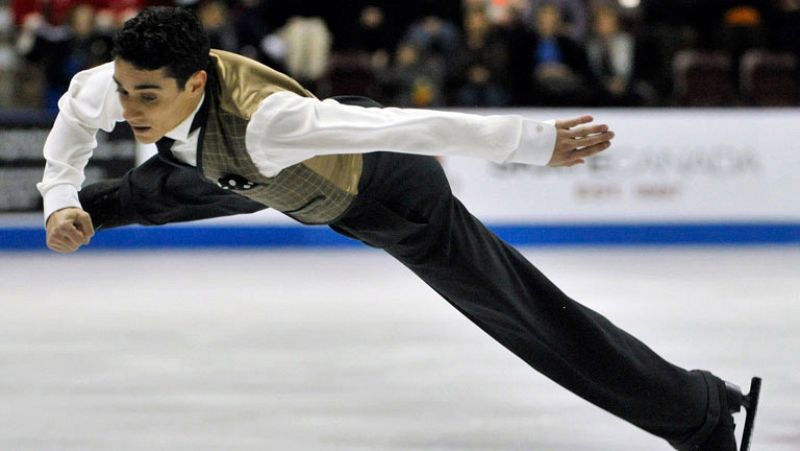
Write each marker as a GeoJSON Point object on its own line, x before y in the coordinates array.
{"type": "Point", "coordinates": [405, 207]}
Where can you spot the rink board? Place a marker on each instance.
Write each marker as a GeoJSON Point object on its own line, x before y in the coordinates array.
{"type": "Point", "coordinates": [673, 176]}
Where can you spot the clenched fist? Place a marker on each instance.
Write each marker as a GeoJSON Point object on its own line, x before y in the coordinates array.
{"type": "Point", "coordinates": [69, 229]}
{"type": "Point", "coordinates": [576, 141]}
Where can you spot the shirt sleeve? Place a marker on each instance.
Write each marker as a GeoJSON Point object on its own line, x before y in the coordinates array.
{"type": "Point", "coordinates": [287, 129]}
{"type": "Point", "coordinates": [89, 105]}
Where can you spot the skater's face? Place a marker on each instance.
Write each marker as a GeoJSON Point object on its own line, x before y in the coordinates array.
{"type": "Point", "coordinates": [152, 102]}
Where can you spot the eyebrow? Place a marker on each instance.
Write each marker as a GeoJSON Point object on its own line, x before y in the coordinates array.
{"type": "Point", "coordinates": [138, 87]}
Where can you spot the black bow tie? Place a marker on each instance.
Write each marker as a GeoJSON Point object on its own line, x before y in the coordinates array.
{"type": "Point", "coordinates": [164, 146]}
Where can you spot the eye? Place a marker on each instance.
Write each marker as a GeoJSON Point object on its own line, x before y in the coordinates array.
{"type": "Point", "coordinates": [121, 91]}
{"type": "Point", "coordinates": [149, 98]}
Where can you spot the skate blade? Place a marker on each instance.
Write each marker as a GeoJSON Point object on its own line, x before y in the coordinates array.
{"type": "Point", "coordinates": [750, 403]}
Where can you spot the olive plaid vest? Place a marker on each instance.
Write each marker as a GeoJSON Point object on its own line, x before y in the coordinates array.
{"type": "Point", "coordinates": [316, 191]}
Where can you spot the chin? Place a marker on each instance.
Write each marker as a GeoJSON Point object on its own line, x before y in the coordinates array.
{"type": "Point", "coordinates": [145, 139]}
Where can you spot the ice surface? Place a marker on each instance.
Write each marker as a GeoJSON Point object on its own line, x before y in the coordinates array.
{"type": "Point", "coordinates": [347, 350]}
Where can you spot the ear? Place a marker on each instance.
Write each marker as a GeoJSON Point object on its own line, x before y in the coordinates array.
{"type": "Point", "coordinates": [197, 82]}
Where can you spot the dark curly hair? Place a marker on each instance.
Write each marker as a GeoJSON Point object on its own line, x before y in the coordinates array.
{"type": "Point", "coordinates": [172, 38]}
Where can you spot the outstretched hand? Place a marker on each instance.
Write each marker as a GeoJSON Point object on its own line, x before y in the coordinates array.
{"type": "Point", "coordinates": [576, 141]}
{"type": "Point", "coordinates": [69, 229]}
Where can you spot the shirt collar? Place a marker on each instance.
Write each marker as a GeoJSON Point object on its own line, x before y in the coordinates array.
{"type": "Point", "coordinates": [182, 131]}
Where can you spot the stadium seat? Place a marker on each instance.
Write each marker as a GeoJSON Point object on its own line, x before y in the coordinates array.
{"type": "Point", "coordinates": [702, 78]}
{"type": "Point", "coordinates": [768, 78]}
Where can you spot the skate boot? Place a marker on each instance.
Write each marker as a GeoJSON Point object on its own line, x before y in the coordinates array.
{"type": "Point", "coordinates": [737, 400]}
{"type": "Point", "coordinates": [722, 437]}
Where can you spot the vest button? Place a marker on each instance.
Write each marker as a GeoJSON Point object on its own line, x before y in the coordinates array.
{"type": "Point", "coordinates": [235, 182]}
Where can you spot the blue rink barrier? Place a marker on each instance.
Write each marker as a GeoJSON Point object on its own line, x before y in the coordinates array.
{"type": "Point", "coordinates": [188, 237]}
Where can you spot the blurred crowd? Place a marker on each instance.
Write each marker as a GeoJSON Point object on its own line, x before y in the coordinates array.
{"type": "Point", "coordinates": [432, 53]}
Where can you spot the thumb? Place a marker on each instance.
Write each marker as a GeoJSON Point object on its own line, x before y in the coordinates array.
{"type": "Point", "coordinates": [83, 222]}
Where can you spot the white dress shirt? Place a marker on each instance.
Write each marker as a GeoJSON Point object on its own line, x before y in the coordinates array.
{"type": "Point", "coordinates": [285, 130]}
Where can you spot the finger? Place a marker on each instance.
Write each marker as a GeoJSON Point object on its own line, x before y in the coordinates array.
{"type": "Point", "coordinates": [69, 241]}
{"type": "Point", "coordinates": [64, 249]}
{"type": "Point", "coordinates": [571, 163]}
{"type": "Point", "coordinates": [593, 139]}
{"type": "Point", "coordinates": [54, 244]}
{"type": "Point", "coordinates": [580, 132]}
{"type": "Point", "coordinates": [591, 150]}
{"type": "Point", "coordinates": [575, 121]}
{"type": "Point", "coordinates": [69, 235]}
{"type": "Point", "coordinates": [59, 246]}
{"type": "Point", "coordinates": [84, 224]}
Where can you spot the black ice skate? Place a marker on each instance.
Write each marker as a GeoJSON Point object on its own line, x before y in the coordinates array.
{"type": "Point", "coordinates": [737, 400]}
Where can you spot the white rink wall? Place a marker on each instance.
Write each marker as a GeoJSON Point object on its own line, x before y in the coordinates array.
{"type": "Point", "coordinates": [664, 165]}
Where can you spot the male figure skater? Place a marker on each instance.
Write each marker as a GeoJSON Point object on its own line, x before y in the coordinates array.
{"type": "Point", "coordinates": [235, 136]}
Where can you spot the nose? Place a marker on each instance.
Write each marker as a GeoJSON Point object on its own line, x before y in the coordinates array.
{"type": "Point", "coordinates": [130, 113]}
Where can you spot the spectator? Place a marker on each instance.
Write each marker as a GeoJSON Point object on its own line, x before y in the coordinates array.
{"type": "Point", "coordinates": [252, 28]}
{"type": "Point", "coordinates": [62, 50]}
{"type": "Point", "coordinates": [122, 10]}
{"type": "Point", "coordinates": [434, 36]}
{"type": "Point", "coordinates": [547, 68]}
{"type": "Point", "coordinates": [574, 16]}
{"type": "Point", "coordinates": [56, 12]}
{"type": "Point", "coordinates": [308, 48]}
{"type": "Point", "coordinates": [501, 13]}
{"type": "Point", "coordinates": [447, 10]}
{"type": "Point", "coordinates": [610, 54]}
{"type": "Point", "coordinates": [613, 64]}
{"type": "Point", "coordinates": [290, 36]}
{"type": "Point", "coordinates": [265, 34]}
{"type": "Point", "coordinates": [480, 65]}
{"type": "Point", "coordinates": [87, 47]}
{"type": "Point", "coordinates": [8, 59]}
{"type": "Point", "coordinates": [371, 35]}
{"type": "Point", "coordinates": [214, 16]}
{"type": "Point", "coordinates": [53, 12]}
{"type": "Point", "coordinates": [415, 79]}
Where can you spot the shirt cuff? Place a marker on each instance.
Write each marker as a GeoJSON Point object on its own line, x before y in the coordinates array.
{"type": "Point", "coordinates": [537, 143]}
{"type": "Point", "coordinates": [59, 197]}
